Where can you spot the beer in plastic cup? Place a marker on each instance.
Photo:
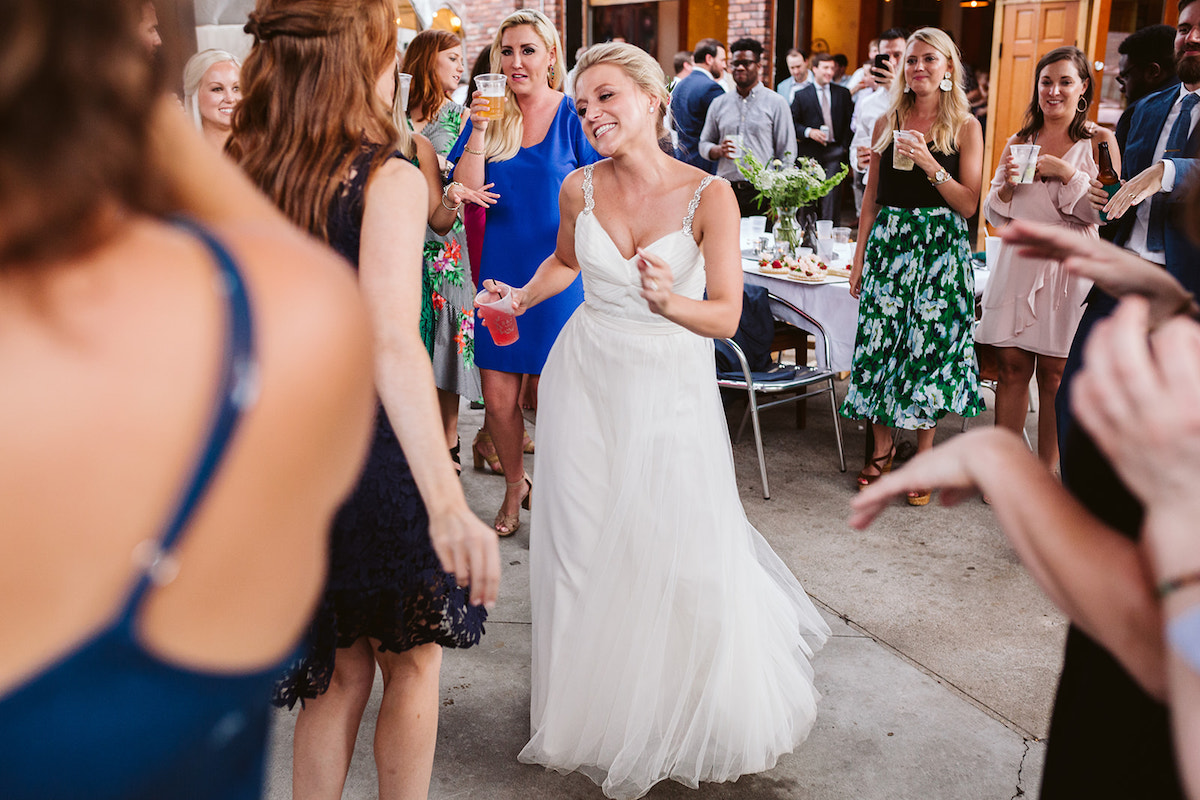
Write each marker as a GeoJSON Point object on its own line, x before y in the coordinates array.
{"type": "Point", "coordinates": [491, 88]}
{"type": "Point", "coordinates": [498, 315]}
{"type": "Point", "coordinates": [901, 161]}
{"type": "Point", "coordinates": [1026, 156]}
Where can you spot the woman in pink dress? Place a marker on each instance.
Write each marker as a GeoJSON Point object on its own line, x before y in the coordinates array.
{"type": "Point", "coordinates": [1032, 306]}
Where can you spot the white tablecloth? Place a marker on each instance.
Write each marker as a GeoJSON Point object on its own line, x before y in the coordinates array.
{"type": "Point", "coordinates": [829, 304]}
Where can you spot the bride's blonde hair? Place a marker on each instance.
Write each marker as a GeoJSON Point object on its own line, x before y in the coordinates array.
{"type": "Point", "coordinates": [503, 138]}
{"type": "Point", "coordinates": [953, 108]}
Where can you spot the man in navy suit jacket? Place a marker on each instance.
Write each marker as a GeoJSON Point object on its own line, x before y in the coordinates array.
{"type": "Point", "coordinates": [830, 148]}
{"type": "Point", "coordinates": [1096, 695]}
{"type": "Point", "coordinates": [692, 97]}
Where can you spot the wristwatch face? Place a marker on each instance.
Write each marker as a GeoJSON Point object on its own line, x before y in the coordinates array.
{"type": "Point", "coordinates": [941, 176]}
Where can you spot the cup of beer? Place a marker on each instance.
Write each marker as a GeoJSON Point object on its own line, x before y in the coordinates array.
{"type": "Point", "coordinates": [491, 88]}
{"type": "Point", "coordinates": [497, 313]}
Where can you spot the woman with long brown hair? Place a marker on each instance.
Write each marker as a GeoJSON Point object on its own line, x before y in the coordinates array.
{"type": "Point", "coordinates": [387, 601]}
{"type": "Point", "coordinates": [185, 405]}
{"type": "Point", "coordinates": [914, 358]}
{"type": "Point", "coordinates": [525, 154]}
{"type": "Point", "coordinates": [1031, 307]}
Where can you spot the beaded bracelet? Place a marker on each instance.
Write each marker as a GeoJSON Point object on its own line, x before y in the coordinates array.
{"type": "Point", "coordinates": [1169, 586]}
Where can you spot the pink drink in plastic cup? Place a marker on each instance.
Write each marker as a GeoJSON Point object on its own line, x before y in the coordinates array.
{"type": "Point", "coordinates": [499, 318]}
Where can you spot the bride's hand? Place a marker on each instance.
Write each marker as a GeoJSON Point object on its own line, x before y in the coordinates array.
{"type": "Point", "coordinates": [657, 281]}
{"type": "Point", "coordinates": [493, 290]}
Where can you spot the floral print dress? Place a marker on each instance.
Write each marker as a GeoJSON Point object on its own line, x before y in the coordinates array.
{"type": "Point", "coordinates": [448, 324]}
{"type": "Point", "coordinates": [914, 354]}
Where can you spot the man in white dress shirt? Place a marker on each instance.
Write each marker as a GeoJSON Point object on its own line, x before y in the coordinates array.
{"type": "Point", "coordinates": [868, 110]}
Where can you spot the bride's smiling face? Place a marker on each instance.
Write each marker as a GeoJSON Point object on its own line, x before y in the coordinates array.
{"type": "Point", "coordinates": [613, 109]}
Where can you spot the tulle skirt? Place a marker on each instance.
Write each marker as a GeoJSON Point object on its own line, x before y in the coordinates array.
{"type": "Point", "coordinates": [669, 641]}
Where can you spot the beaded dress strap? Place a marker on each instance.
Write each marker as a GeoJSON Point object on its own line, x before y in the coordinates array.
{"type": "Point", "coordinates": [589, 202]}
{"type": "Point", "coordinates": [695, 203]}
{"type": "Point", "coordinates": [237, 392]}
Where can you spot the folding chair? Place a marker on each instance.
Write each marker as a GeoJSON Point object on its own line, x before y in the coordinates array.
{"type": "Point", "coordinates": [772, 383]}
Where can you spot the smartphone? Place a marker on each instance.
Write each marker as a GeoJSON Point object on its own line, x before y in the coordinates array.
{"type": "Point", "coordinates": [882, 62]}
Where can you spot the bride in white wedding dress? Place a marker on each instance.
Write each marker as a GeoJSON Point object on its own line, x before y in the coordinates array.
{"type": "Point", "coordinates": [669, 641]}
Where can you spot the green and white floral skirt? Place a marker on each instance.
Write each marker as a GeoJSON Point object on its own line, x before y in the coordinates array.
{"type": "Point", "coordinates": [448, 313]}
{"type": "Point", "coordinates": [914, 354]}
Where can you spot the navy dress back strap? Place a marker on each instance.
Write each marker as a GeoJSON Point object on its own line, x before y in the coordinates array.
{"type": "Point", "coordinates": [111, 718]}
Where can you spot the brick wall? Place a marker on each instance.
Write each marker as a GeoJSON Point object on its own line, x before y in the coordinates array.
{"type": "Point", "coordinates": [483, 17]}
{"type": "Point", "coordinates": [753, 19]}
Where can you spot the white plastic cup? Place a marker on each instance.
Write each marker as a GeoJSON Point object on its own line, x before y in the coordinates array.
{"type": "Point", "coordinates": [825, 249]}
{"type": "Point", "coordinates": [991, 250]}
{"type": "Point", "coordinates": [403, 81]}
{"type": "Point", "coordinates": [841, 235]}
{"type": "Point", "coordinates": [736, 140]}
{"type": "Point", "coordinates": [756, 226]}
{"type": "Point", "coordinates": [901, 161]}
{"type": "Point", "coordinates": [498, 314]}
{"type": "Point", "coordinates": [824, 229]}
{"type": "Point", "coordinates": [491, 87]}
{"type": "Point", "coordinates": [1026, 156]}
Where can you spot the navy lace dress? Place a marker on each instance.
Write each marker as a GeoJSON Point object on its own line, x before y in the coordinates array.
{"type": "Point", "coordinates": [384, 578]}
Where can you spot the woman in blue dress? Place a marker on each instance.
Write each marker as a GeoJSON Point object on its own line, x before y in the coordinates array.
{"type": "Point", "coordinates": [526, 154]}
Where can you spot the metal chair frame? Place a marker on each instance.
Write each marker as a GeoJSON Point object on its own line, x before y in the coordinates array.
{"type": "Point", "coordinates": [805, 377]}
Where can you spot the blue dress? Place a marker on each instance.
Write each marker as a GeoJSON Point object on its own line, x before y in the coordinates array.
{"type": "Point", "coordinates": [522, 230]}
{"type": "Point", "coordinates": [112, 719]}
{"type": "Point", "coordinates": [385, 581]}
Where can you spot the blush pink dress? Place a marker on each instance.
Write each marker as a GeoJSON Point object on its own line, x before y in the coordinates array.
{"type": "Point", "coordinates": [1033, 303]}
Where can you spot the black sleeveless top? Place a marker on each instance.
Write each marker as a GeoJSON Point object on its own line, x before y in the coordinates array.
{"type": "Point", "coordinates": [911, 189]}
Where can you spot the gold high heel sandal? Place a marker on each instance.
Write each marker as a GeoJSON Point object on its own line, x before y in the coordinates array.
{"type": "Point", "coordinates": [484, 449]}
{"type": "Point", "coordinates": [508, 524]}
{"type": "Point", "coordinates": [527, 444]}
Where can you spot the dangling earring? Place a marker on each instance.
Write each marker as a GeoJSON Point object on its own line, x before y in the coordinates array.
{"type": "Point", "coordinates": [946, 85]}
{"type": "Point", "coordinates": [1082, 105]}
{"type": "Point", "coordinates": [550, 76]}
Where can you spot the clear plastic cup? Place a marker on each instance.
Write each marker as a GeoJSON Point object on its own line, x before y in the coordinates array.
{"type": "Point", "coordinates": [403, 81]}
{"type": "Point", "coordinates": [991, 251]}
{"type": "Point", "coordinates": [498, 316]}
{"type": "Point", "coordinates": [736, 139]}
{"type": "Point", "coordinates": [491, 88]}
{"type": "Point", "coordinates": [824, 229]}
{"type": "Point", "coordinates": [841, 235]}
{"type": "Point", "coordinates": [901, 161]}
{"type": "Point", "coordinates": [1026, 156]}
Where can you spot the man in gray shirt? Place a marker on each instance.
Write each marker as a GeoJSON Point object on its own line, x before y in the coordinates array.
{"type": "Point", "coordinates": [759, 117]}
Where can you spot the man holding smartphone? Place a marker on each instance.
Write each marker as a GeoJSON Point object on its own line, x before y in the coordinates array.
{"type": "Point", "coordinates": [871, 108]}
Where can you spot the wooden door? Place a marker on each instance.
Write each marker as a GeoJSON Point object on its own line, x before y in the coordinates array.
{"type": "Point", "coordinates": [1028, 30]}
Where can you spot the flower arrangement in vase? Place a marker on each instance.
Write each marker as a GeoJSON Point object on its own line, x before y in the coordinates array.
{"type": "Point", "coordinates": [788, 188]}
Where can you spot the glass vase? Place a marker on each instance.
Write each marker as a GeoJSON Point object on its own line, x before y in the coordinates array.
{"type": "Point", "coordinates": [787, 229]}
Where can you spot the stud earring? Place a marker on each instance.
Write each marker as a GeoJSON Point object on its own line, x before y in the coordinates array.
{"type": "Point", "coordinates": [946, 85]}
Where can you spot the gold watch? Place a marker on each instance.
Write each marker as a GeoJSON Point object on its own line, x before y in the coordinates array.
{"type": "Point", "coordinates": [940, 177]}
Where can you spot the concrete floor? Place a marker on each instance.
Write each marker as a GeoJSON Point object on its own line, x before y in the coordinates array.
{"type": "Point", "coordinates": [937, 683]}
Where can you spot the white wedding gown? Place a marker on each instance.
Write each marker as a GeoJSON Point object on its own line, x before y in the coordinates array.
{"type": "Point", "coordinates": [669, 641]}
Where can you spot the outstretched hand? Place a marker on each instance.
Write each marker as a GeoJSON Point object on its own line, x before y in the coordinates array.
{"type": "Point", "coordinates": [480, 197]}
{"type": "Point", "coordinates": [1136, 190]}
{"type": "Point", "coordinates": [949, 467]}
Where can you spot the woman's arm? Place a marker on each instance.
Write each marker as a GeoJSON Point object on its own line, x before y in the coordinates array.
{"type": "Point", "coordinates": [390, 276]}
{"type": "Point", "coordinates": [470, 169]}
{"type": "Point", "coordinates": [870, 208]}
{"type": "Point", "coordinates": [961, 193]}
{"type": "Point", "coordinates": [716, 316]}
{"type": "Point", "coordinates": [445, 201]}
{"type": "Point", "coordinates": [1096, 576]}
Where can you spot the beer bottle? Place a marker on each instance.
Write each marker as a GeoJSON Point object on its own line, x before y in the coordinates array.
{"type": "Point", "coordinates": [1108, 177]}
